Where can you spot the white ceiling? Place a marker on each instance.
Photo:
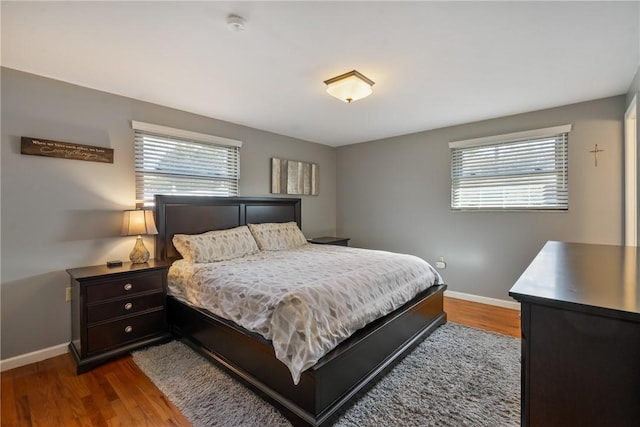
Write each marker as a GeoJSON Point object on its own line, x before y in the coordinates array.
{"type": "Point", "coordinates": [435, 64]}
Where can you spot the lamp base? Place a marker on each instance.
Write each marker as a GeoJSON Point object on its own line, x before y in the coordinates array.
{"type": "Point", "coordinates": [139, 254]}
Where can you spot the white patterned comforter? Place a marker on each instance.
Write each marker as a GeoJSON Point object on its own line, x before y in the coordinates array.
{"type": "Point", "coordinates": [305, 300]}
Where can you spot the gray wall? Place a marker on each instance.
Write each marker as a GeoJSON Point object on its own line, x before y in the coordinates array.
{"type": "Point", "coordinates": [634, 88]}
{"type": "Point", "coordinates": [394, 194]}
{"type": "Point", "coordinates": [58, 214]}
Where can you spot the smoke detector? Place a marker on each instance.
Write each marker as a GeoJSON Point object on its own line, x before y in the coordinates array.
{"type": "Point", "coordinates": [236, 23]}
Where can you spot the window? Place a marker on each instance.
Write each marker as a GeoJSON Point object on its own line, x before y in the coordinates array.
{"type": "Point", "coordinates": [524, 170]}
{"type": "Point", "coordinates": [178, 162]}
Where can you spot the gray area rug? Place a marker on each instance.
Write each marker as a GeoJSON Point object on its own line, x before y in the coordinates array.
{"type": "Point", "coordinates": [459, 376]}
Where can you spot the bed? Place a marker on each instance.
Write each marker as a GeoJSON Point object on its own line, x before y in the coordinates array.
{"type": "Point", "coordinates": [332, 384]}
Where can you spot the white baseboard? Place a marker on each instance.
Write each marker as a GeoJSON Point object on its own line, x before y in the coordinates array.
{"type": "Point", "coordinates": [33, 357]}
{"type": "Point", "coordinates": [483, 300]}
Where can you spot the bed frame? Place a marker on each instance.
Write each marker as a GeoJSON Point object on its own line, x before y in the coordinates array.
{"type": "Point", "coordinates": [328, 388]}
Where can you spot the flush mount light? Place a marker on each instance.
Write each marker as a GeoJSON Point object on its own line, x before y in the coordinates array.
{"type": "Point", "coordinates": [349, 87]}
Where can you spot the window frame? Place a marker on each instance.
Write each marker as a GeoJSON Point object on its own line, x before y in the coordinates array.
{"type": "Point", "coordinates": [226, 174]}
{"type": "Point", "coordinates": [509, 175]}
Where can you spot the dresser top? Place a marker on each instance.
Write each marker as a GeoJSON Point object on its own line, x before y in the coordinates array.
{"type": "Point", "coordinates": [583, 276]}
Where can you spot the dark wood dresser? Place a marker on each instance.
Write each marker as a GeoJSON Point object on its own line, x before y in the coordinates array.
{"type": "Point", "coordinates": [116, 310]}
{"type": "Point", "coordinates": [580, 336]}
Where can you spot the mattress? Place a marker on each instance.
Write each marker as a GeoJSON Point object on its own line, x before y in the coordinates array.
{"type": "Point", "coordinates": [305, 300]}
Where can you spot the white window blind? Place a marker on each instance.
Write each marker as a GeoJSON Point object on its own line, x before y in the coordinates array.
{"type": "Point", "coordinates": [177, 162]}
{"type": "Point", "coordinates": [525, 170]}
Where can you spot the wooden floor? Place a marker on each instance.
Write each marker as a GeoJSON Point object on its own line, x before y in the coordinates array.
{"type": "Point", "coordinates": [50, 394]}
{"type": "Point", "coordinates": [489, 317]}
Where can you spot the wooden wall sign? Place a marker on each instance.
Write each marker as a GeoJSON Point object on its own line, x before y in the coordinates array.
{"type": "Point", "coordinates": [65, 150]}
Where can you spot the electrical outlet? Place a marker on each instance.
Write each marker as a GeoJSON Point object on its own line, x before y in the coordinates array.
{"type": "Point", "coordinates": [68, 295]}
{"type": "Point", "coordinates": [440, 263]}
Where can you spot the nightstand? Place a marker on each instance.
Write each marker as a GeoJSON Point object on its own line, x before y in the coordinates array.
{"type": "Point", "coordinates": [339, 241]}
{"type": "Point", "coordinates": [116, 310]}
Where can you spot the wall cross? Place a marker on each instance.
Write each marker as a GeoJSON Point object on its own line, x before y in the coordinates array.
{"type": "Point", "coordinates": [595, 154]}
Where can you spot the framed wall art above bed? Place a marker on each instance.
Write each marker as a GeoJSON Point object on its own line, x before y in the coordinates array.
{"type": "Point", "coordinates": [335, 381]}
{"type": "Point", "coordinates": [294, 177]}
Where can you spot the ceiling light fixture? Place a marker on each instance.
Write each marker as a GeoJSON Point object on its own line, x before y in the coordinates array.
{"type": "Point", "coordinates": [349, 87]}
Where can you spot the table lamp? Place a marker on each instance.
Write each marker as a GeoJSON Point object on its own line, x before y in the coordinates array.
{"type": "Point", "coordinates": [138, 222]}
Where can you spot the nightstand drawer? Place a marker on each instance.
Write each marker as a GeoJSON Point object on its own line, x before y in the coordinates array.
{"type": "Point", "coordinates": [129, 285]}
{"type": "Point", "coordinates": [113, 334]}
{"type": "Point", "coordinates": [122, 307]}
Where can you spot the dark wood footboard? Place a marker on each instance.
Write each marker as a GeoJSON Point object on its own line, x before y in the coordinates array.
{"type": "Point", "coordinates": [327, 389]}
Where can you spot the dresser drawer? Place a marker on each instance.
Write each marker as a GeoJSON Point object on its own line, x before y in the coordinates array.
{"type": "Point", "coordinates": [122, 307]}
{"type": "Point", "coordinates": [113, 334]}
{"type": "Point", "coordinates": [126, 285]}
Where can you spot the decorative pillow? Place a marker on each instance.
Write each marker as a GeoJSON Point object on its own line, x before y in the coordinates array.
{"type": "Point", "coordinates": [217, 245]}
{"type": "Point", "coordinates": [273, 236]}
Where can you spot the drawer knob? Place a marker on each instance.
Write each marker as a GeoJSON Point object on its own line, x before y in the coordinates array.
{"type": "Point", "coordinates": [128, 287]}
{"type": "Point", "coordinates": [128, 329]}
{"type": "Point", "coordinates": [128, 306]}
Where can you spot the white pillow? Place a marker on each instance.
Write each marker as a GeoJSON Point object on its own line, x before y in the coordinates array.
{"type": "Point", "coordinates": [217, 245]}
{"type": "Point", "coordinates": [276, 236]}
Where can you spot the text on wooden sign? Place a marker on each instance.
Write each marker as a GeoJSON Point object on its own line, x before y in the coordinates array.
{"type": "Point", "coordinates": [65, 150]}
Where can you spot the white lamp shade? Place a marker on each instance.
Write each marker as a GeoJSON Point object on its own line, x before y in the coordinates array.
{"type": "Point", "coordinates": [350, 86]}
{"type": "Point", "coordinates": [138, 222]}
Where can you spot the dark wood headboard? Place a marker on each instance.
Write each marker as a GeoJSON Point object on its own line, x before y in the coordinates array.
{"type": "Point", "coordinates": [197, 214]}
